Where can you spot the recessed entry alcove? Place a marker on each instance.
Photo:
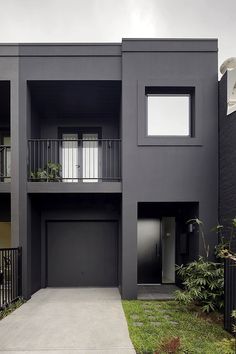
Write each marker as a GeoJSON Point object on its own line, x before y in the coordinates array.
{"type": "Point", "coordinates": [164, 239]}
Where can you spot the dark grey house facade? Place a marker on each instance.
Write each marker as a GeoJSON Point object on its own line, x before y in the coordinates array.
{"type": "Point", "coordinates": [94, 186]}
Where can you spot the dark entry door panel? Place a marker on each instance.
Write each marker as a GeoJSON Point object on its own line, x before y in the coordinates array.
{"type": "Point", "coordinates": [82, 253]}
{"type": "Point", "coordinates": [149, 251]}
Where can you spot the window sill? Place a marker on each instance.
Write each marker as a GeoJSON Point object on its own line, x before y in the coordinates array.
{"type": "Point", "coordinates": [168, 141]}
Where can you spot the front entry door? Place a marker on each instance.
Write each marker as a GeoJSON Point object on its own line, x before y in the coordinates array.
{"type": "Point", "coordinates": [149, 251]}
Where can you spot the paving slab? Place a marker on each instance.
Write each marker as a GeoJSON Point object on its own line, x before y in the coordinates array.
{"type": "Point", "coordinates": [157, 292]}
{"type": "Point", "coordinates": [68, 320]}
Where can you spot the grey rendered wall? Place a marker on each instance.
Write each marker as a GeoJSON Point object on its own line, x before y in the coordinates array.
{"type": "Point", "coordinates": [88, 103]}
{"type": "Point", "coordinates": [110, 127]}
{"type": "Point", "coordinates": [165, 173]}
{"type": "Point", "coordinates": [66, 207]}
{"type": "Point", "coordinates": [227, 158]}
{"type": "Point", "coordinates": [160, 173]}
{"type": "Point", "coordinates": [18, 64]}
{"type": "Point", "coordinates": [34, 221]}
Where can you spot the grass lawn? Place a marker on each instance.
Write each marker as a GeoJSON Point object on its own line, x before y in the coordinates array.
{"type": "Point", "coordinates": [151, 323]}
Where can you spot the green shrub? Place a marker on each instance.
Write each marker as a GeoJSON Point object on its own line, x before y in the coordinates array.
{"type": "Point", "coordinates": [227, 346]}
{"type": "Point", "coordinates": [203, 280]}
{"type": "Point", "coordinates": [203, 283]}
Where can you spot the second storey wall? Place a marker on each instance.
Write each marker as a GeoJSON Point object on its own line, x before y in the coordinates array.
{"type": "Point", "coordinates": [167, 170]}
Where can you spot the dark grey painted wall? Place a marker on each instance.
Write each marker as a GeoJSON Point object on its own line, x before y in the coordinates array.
{"type": "Point", "coordinates": [75, 104]}
{"type": "Point", "coordinates": [162, 173]}
{"type": "Point", "coordinates": [67, 207]}
{"type": "Point", "coordinates": [165, 173]}
{"type": "Point", "coordinates": [227, 158]}
{"type": "Point", "coordinates": [82, 253]}
{"type": "Point", "coordinates": [20, 64]}
{"type": "Point", "coordinates": [34, 221]}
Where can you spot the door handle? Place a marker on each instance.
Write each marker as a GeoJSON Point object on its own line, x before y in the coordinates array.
{"type": "Point", "coordinates": [157, 251]}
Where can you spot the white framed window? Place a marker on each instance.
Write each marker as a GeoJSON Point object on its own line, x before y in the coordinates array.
{"type": "Point", "coordinates": [169, 115]}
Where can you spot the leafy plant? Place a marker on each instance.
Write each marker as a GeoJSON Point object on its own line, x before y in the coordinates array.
{"type": "Point", "coordinates": [203, 280]}
{"type": "Point", "coordinates": [199, 223]}
{"type": "Point", "coordinates": [10, 308]}
{"type": "Point", "coordinates": [234, 318]}
{"type": "Point", "coordinates": [227, 346]}
{"type": "Point", "coordinates": [203, 284]}
{"type": "Point", "coordinates": [226, 253]}
{"type": "Point", "coordinates": [50, 173]}
{"type": "Point", "coordinates": [170, 346]}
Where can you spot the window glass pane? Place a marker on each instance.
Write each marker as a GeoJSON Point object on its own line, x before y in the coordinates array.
{"type": "Point", "coordinates": [90, 158]}
{"type": "Point", "coordinates": [69, 157]}
{"type": "Point", "coordinates": [168, 115]}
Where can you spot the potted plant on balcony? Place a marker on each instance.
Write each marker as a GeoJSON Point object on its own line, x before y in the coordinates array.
{"type": "Point", "coordinates": [50, 173]}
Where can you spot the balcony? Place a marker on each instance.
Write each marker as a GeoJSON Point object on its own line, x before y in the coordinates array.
{"type": "Point", "coordinates": [5, 163]}
{"type": "Point", "coordinates": [74, 160]}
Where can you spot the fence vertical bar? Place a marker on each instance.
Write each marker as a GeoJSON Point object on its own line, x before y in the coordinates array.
{"type": "Point", "coordinates": [230, 290]}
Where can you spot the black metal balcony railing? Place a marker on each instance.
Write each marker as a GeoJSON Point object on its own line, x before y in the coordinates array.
{"type": "Point", "coordinates": [87, 160]}
{"type": "Point", "coordinates": [5, 163]}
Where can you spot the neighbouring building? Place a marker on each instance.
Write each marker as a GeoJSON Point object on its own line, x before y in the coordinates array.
{"type": "Point", "coordinates": [227, 176]}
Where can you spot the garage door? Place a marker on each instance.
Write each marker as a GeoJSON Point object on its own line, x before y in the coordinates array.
{"type": "Point", "coordinates": [82, 253]}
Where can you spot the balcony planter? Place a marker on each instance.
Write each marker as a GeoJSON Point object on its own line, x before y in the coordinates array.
{"type": "Point", "coordinates": [51, 173]}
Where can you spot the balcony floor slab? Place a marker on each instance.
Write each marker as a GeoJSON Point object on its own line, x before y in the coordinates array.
{"type": "Point", "coordinates": [5, 187]}
{"type": "Point", "coordinates": [80, 187]}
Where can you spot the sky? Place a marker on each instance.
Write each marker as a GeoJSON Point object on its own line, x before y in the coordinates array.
{"type": "Point", "coordinates": [111, 20]}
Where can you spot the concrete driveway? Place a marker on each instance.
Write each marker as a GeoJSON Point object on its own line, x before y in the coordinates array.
{"type": "Point", "coordinates": [72, 320]}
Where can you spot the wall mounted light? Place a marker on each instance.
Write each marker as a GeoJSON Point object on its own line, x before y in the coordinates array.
{"type": "Point", "coordinates": [190, 227]}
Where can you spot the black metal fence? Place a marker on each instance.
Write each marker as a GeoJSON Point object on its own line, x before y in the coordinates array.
{"type": "Point", "coordinates": [10, 275]}
{"type": "Point", "coordinates": [5, 163]}
{"type": "Point", "coordinates": [89, 160]}
{"type": "Point", "coordinates": [230, 290]}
